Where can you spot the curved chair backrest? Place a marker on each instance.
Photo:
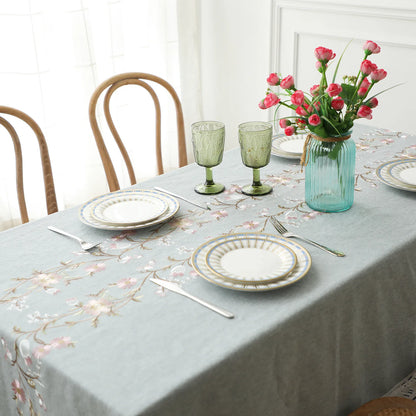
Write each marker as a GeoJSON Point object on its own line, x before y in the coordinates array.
{"type": "Point", "coordinates": [50, 195]}
{"type": "Point", "coordinates": [111, 85]}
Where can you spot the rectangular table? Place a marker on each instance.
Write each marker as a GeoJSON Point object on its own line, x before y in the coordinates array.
{"type": "Point", "coordinates": [89, 334]}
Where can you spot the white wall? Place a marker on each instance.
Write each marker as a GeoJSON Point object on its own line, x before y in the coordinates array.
{"type": "Point", "coordinates": [243, 40]}
{"type": "Point", "coordinates": [235, 57]}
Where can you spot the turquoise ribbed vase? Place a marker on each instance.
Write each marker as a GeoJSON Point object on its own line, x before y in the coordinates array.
{"type": "Point", "coordinates": [330, 175]}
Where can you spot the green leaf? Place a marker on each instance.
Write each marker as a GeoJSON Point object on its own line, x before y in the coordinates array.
{"type": "Point", "coordinates": [339, 61]}
{"type": "Point", "coordinates": [348, 94]}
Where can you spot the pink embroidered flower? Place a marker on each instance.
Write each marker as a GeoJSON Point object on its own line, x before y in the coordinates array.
{"type": "Point", "coordinates": [96, 267]}
{"type": "Point", "coordinates": [18, 391]}
{"type": "Point", "coordinates": [333, 90]}
{"type": "Point", "coordinates": [273, 79]}
{"type": "Point", "coordinates": [297, 97]}
{"type": "Point", "coordinates": [301, 111]}
{"type": "Point", "coordinates": [284, 122]}
{"type": "Point", "coordinates": [219, 214]}
{"type": "Point", "coordinates": [371, 47]}
{"type": "Point", "coordinates": [177, 271]}
{"type": "Point", "coordinates": [324, 54]}
{"type": "Point", "coordinates": [46, 279]}
{"type": "Point", "coordinates": [126, 282]}
{"type": "Point", "coordinates": [271, 100]}
{"type": "Point", "coordinates": [314, 90]}
{"type": "Point", "coordinates": [42, 350]}
{"type": "Point", "coordinates": [287, 83]}
{"type": "Point", "coordinates": [367, 67]}
{"type": "Point", "coordinates": [61, 342]}
{"type": "Point", "coordinates": [289, 131]}
{"type": "Point", "coordinates": [365, 112]}
{"type": "Point", "coordinates": [337, 103]}
{"type": "Point", "coordinates": [314, 120]}
{"type": "Point", "coordinates": [149, 266]}
{"type": "Point", "coordinates": [250, 225]}
{"type": "Point", "coordinates": [378, 75]}
{"type": "Point", "coordinates": [373, 102]}
{"type": "Point", "coordinates": [96, 307]}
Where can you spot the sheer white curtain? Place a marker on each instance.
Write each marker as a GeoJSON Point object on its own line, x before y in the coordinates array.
{"type": "Point", "coordinates": [54, 54]}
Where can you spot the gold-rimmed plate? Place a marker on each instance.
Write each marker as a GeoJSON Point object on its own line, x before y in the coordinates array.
{"type": "Point", "coordinates": [254, 259]}
{"type": "Point", "coordinates": [86, 216]}
{"type": "Point", "coordinates": [302, 267]}
{"type": "Point", "coordinates": [129, 209]}
{"type": "Point", "coordinates": [290, 147]}
{"type": "Point", "coordinates": [383, 173]}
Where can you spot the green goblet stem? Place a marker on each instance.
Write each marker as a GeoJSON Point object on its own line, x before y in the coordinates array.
{"type": "Point", "coordinates": [208, 177]}
{"type": "Point", "coordinates": [256, 177]}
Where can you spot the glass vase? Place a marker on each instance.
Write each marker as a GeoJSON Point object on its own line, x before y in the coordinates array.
{"type": "Point", "coordinates": [330, 174]}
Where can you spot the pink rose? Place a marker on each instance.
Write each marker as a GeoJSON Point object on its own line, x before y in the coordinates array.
{"type": "Point", "coordinates": [284, 122]}
{"type": "Point", "coordinates": [337, 103]}
{"type": "Point", "coordinates": [367, 67]}
{"type": "Point", "coordinates": [273, 79]}
{"type": "Point", "coordinates": [373, 102]}
{"type": "Point", "coordinates": [300, 111]}
{"type": "Point", "coordinates": [324, 54]}
{"type": "Point", "coordinates": [365, 112]}
{"type": "Point", "coordinates": [271, 100]}
{"type": "Point", "coordinates": [362, 91]}
{"type": "Point", "coordinates": [289, 130]}
{"type": "Point", "coordinates": [365, 83]}
{"type": "Point", "coordinates": [261, 105]}
{"type": "Point", "coordinates": [297, 97]}
{"type": "Point", "coordinates": [287, 83]}
{"type": "Point", "coordinates": [371, 47]}
{"type": "Point", "coordinates": [378, 75]}
{"type": "Point", "coordinates": [300, 121]}
{"type": "Point", "coordinates": [314, 120]}
{"type": "Point", "coordinates": [333, 90]}
{"type": "Point", "coordinates": [314, 90]}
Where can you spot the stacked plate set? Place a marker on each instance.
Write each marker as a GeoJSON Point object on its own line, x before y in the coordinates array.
{"type": "Point", "coordinates": [251, 262]}
{"type": "Point", "coordinates": [400, 174]}
{"type": "Point", "coordinates": [289, 147]}
{"type": "Point", "coordinates": [129, 209]}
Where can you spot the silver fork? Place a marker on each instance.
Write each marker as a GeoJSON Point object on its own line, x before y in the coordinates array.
{"type": "Point", "coordinates": [84, 244]}
{"type": "Point", "coordinates": [285, 233]}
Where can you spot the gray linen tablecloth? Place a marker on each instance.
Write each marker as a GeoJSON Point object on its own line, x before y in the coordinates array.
{"type": "Point", "coordinates": [88, 334]}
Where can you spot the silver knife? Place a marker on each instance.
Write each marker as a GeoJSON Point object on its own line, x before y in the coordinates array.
{"type": "Point", "coordinates": [183, 198]}
{"type": "Point", "coordinates": [177, 289]}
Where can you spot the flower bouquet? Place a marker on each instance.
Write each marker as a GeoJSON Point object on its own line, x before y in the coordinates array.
{"type": "Point", "coordinates": [327, 112]}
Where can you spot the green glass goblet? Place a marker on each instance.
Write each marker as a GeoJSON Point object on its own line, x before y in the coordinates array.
{"type": "Point", "coordinates": [255, 139]}
{"type": "Point", "coordinates": [208, 144]}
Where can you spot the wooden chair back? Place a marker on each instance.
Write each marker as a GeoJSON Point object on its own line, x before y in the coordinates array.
{"type": "Point", "coordinates": [50, 195]}
{"type": "Point", "coordinates": [111, 85]}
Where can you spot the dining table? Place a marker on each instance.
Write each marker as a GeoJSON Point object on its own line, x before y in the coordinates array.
{"type": "Point", "coordinates": [89, 332]}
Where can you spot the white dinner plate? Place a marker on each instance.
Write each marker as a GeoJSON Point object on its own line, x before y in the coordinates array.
{"type": "Point", "coordinates": [383, 173]}
{"type": "Point", "coordinates": [255, 259]}
{"type": "Point", "coordinates": [302, 266]}
{"type": "Point", "coordinates": [130, 209]}
{"type": "Point", "coordinates": [290, 147]}
{"type": "Point", "coordinates": [404, 171]}
{"type": "Point", "coordinates": [87, 217]}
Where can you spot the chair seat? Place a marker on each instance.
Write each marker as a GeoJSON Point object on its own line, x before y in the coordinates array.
{"type": "Point", "coordinates": [387, 406]}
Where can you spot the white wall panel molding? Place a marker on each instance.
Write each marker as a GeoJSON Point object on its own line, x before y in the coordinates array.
{"type": "Point", "coordinates": [297, 27]}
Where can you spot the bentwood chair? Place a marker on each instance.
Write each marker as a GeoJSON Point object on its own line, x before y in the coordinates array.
{"type": "Point", "coordinates": [110, 86]}
{"type": "Point", "coordinates": [50, 195]}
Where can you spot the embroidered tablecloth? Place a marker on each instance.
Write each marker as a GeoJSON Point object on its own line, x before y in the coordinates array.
{"type": "Point", "coordinates": [89, 334]}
